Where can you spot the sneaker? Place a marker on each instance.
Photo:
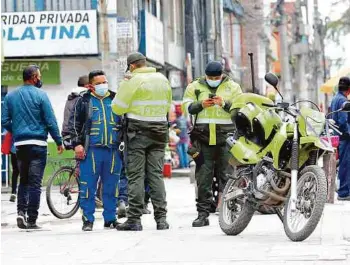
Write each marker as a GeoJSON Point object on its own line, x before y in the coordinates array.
{"type": "Point", "coordinates": [33, 225]}
{"type": "Point", "coordinates": [122, 210]}
{"type": "Point", "coordinates": [111, 224]}
{"type": "Point", "coordinates": [21, 221]}
{"type": "Point", "coordinates": [87, 226]}
{"type": "Point", "coordinates": [346, 198]}
{"type": "Point", "coordinates": [145, 210]}
{"type": "Point", "coordinates": [13, 198]}
{"type": "Point", "coordinates": [129, 226]}
{"type": "Point", "coordinates": [202, 220]}
{"type": "Point", "coordinates": [162, 225]}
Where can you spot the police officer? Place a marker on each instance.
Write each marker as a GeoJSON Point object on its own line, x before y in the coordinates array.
{"type": "Point", "coordinates": [145, 98]}
{"type": "Point", "coordinates": [342, 120]}
{"type": "Point", "coordinates": [94, 130]}
{"type": "Point", "coordinates": [209, 99]}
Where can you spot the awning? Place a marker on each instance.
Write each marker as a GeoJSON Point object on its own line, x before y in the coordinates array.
{"type": "Point", "coordinates": [331, 85]}
{"type": "Point", "coordinates": [233, 6]}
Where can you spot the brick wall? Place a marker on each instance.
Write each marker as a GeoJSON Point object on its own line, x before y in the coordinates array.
{"type": "Point", "coordinates": [252, 25]}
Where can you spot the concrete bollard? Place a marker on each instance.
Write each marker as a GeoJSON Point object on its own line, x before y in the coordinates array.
{"type": "Point", "coordinates": [329, 167]}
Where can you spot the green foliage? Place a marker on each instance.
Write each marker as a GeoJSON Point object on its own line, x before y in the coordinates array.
{"type": "Point", "coordinates": [341, 26]}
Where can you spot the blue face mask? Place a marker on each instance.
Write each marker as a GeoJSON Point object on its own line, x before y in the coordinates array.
{"type": "Point", "coordinates": [101, 89]}
{"type": "Point", "coordinates": [213, 83]}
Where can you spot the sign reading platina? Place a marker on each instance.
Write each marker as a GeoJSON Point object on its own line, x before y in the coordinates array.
{"type": "Point", "coordinates": [49, 33]}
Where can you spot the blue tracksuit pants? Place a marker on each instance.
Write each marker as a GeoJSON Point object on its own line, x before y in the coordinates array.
{"type": "Point", "coordinates": [105, 163]}
{"type": "Point", "coordinates": [344, 169]}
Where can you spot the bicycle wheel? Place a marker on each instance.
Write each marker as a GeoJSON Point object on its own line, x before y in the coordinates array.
{"type": "Point", "coordinates": [62, 193]}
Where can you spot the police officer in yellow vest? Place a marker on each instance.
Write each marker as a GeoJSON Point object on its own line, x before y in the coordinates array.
{"type": "Point", "coordinates": [209, 99]}
{"type": "Point", "coordinates": [145, 98]}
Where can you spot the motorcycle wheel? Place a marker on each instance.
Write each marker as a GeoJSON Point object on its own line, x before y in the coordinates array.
{"type": "Point", "coordinates": [235, 215]}
{"type": "Point", "coordinates": [311, 198]}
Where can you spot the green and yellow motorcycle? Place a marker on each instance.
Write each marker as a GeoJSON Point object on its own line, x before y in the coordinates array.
{"type": "Point", "coordinates": [275, 150]}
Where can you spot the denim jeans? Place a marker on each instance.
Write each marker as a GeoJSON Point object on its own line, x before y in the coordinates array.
{"type": "Point", "coordinates": [344, 169]}
{"type": "Point", "coordinates": [182, 152]}
{"type": "Point", "coordinates": [31, 161]}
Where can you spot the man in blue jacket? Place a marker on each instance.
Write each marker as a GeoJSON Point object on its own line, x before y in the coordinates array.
{"type": "Point", "coordinates": [29, 116]}
{"type": "Point", "coordinates": [94, 132]}
{"type": "Point", "coordinates": [342, 119]}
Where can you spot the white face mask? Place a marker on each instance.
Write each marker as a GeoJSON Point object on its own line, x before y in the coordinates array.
{"type": "Point", "coordinates": [213, 83]}
{"type": "Point", "coordinates": [101, 89]}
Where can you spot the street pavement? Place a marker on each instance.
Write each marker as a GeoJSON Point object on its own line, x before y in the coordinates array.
{"type": "Point", "coordinates": [263, 242]}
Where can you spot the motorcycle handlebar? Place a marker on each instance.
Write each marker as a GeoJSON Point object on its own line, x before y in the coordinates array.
{"type": "Point", "coordinates": [269, 105]}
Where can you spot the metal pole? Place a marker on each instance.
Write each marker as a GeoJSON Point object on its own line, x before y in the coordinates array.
{"type": "Point", "coordinates": [302, 82]}
{"type": "Point", "coordinates": [286, 79]}
{"type": "Point", "coordinates": [252, 70]}
{"type": "Point", "coordinates": [316, 53]}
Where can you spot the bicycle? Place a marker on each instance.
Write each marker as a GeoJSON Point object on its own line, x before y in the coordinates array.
{"type": "Point", "coordinates": [63, 186]}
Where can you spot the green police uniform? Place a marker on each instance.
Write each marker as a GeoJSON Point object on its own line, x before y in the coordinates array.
{"type": "Point", "coordinates": [145, 98]}
{"type": "Point", "coordinates": [209, 135]}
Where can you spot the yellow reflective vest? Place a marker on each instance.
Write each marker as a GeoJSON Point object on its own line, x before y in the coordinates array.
{"type": "Point", "coordinates": [146, 96]}
{"type": "Point", "coordinates": [199, 90]}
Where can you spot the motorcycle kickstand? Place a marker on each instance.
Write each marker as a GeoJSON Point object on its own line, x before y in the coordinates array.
{"type": "Point", "coordinates": [280, 216]}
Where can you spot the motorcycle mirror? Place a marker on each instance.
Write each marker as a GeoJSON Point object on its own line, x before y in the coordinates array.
{"type": "Point", "coordinates": [346, 106]}
{"type": "Point", "coordinates": [272, 79]}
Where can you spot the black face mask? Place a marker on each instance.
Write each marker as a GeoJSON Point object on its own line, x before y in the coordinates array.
{"type": "Point", "coordinates": [38, 83]}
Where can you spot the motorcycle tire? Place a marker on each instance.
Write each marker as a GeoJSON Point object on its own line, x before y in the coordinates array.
{"type": "Point", "coordinates": [318, 204]}
{"type": "Point", "coordinates": [242, 221]}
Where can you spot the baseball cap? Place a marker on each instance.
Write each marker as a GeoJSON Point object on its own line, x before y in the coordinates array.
{"type": "Point", "coordinates": [133, 58]}
{"type": "Point", "coordinates": [344, 81]}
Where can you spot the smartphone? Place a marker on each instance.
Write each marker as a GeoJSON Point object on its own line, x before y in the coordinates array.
{"type": "Point", "coordinates": [211, 95]}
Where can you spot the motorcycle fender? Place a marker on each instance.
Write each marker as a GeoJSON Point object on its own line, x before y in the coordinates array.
{"type": "Point", "coordinates": [245, 151]}
{"type": "Point", "coordinates": [319, 143]}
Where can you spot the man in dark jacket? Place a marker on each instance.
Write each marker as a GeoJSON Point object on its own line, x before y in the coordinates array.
{"type": "Point", "coordinates": [343, 121]}
{"type": "Point", "coordinates": [95, 129]}
{"type": "Point", "coordinates": [83, 82]}
{"type": "Point", "coordinates": [29, 116]}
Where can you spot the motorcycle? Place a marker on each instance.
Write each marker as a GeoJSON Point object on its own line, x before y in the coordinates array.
{"type": "Point", "coordinates": [275, 150]}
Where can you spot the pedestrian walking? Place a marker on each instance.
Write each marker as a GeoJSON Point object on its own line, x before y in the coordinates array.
{"type": "Point", "coordinates": [28, 115]}
{"type": "Point", "coordinates": [209, 99]}
{"type": "Point", "coordinates": [342, 120]}
{"type": "Point", "coordinates": [94, 129]}
{"type": "Point", "coordinates": [145, 98]}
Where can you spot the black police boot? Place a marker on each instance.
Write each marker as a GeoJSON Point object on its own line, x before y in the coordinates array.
{"type": "Point", "coordinates": [87, 226]}
{"type": "Point", "coordinates": [202, 220]}
{"type": "Point", "coordinates": [129, 225]}
{"type": "Point", "coordinates": [162, 225]}
{"type": "Point", "coordinates": [111, 224]}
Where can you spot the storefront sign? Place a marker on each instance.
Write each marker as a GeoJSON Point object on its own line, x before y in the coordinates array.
{"type": "Point", "coordinates": [152, 42]}
{"type": "Point", "coordinates": [12, 72]}
{"type": "Point", "coordinates": [49, 33]}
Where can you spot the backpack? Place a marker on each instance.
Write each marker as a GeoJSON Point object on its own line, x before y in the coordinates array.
{"type": "Point", "coordinates": [68, 109]}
